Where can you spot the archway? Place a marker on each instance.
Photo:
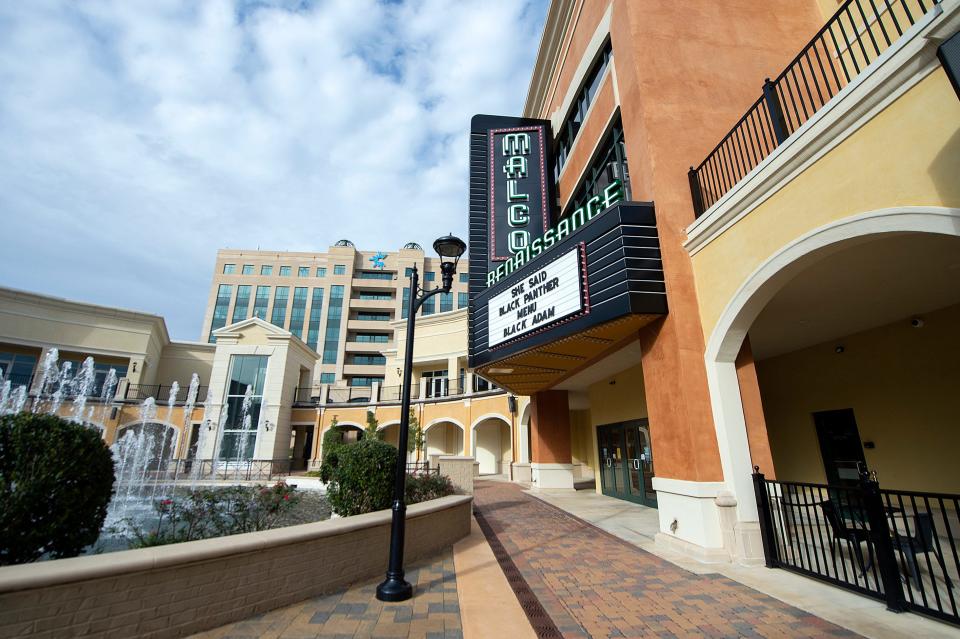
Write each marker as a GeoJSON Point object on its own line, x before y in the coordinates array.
{"type": "Point", "coordinates": [443, 436]}
{"type": "Point", "coordinates": [859, 280]}
{"type": "Point", "coordinates": [492, 444]}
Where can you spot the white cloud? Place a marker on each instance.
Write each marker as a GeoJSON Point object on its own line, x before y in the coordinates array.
{"type": "Point", "coordinates": [139, 137]}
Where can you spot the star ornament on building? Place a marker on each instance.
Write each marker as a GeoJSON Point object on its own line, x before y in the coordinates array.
{"type": "Point", "coordinates": [378, 260]}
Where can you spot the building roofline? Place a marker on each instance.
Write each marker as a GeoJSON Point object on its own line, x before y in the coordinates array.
{"type": "Point", "coordinates": [99, 309]}
{"type": "Point", "coordinates": [545, 67]}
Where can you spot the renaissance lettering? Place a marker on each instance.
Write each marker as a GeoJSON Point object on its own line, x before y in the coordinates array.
{"type": "Point", "coordinates": [568, 225]}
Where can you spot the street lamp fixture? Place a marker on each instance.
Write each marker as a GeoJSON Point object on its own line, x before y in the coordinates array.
{"type": "Point", "coordinates": [450, 249]}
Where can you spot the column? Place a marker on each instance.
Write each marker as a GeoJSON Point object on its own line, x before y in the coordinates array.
{"type": "Point", "coordinates": [550, 453]}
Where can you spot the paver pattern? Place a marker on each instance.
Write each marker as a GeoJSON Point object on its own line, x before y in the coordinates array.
{"type": "Point", "coordinates": [433, 613]}
{"type": "Point", "coordinates": [593, 584]}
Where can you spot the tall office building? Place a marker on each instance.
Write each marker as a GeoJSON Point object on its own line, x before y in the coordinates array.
{"type": "Point", "coordinates": [340, 303]}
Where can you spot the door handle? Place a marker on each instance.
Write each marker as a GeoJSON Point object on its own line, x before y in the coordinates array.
{"type": "Point", "coordinates": [609, 463]}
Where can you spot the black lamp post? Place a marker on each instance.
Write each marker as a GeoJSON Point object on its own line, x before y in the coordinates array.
{"type": "Point", "coordinates": [395, 587]}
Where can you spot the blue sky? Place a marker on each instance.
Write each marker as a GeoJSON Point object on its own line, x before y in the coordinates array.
{"type": "Point", "coordinates": [140, 136]}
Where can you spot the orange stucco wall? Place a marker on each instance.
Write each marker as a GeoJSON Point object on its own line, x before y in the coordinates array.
{"type": "Point", "coordinates": [685, 72]}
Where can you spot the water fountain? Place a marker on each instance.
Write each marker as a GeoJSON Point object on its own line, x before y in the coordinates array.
{"type": "Point", "coordinates": [142, 453]}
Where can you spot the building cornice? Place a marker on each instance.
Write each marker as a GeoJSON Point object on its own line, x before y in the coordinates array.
{"type": "Point", "coordinates": [554, 32]}
{"type": "Point", "coordinates": [98, 310]}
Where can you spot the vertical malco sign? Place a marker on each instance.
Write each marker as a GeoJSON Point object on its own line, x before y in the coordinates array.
{"type": "Point", "coordinates": [519, 204]}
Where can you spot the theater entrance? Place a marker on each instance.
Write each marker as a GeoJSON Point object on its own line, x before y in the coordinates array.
{"type": "Point", "coordinates": [626, 461]}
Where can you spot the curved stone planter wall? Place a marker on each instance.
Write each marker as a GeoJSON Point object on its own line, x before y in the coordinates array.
{"type": "Point", "coordinates": [175, 590]}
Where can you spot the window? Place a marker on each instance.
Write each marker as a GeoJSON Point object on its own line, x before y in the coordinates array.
{"type": "Point", "coordinates": [303, 271]}
{"type": "Point", "coordinates": [429, 306]}
{"type": "Point", "coordinates": [568, 131]}
{"type": "Point", "coordinates": [298, 311]}
{"type": "Point", "coordinates": [280, 296]}
{"type": "Point", "coordinates": [408, 272]}
{"type": "Point", "coordinates": [373, 317]}
{"type": "Point", "coordinates": [316, 314]}
{"type": "Point", "coordinates": [375, 296]}
{"type": "Point", "coordinates": [242, 304]}
{"type": "Point", "coordinates": [229, 269]}
{"type": "Point", "coordinates": [480, 384]}
{"type": "Point", "coordinates": [284, 271]}
{"type": "Point", "coordinates": [247, 269]}
{"type": "Point", "coordinates": [371, 338]}
{"type": "Point", "coordinates": [446, 302]}
{"type": "Point", "coordinates": [321, 271]}
{"type": "Point", "coordinates": [405, 304]}
{"type": "Point", "coordinates": [266, 269]}
{"type": "Point", "coordinates": [429, 276]}
{"type": "Point", "coordinates": [436, 382]}
{"type": "Point", "coordinates": [220, 310]}
{"type": "Point", "coordinates": [17, 368]}
{"type": "Point", "coordinates": [339, 269]}
{"type": "Point", "coordinates": [375, 275]}
{"type": "Point", "coordinates": [240, 429]}
{"type": "Point", "coordinates": [100, 372]}
{"type": "Point", "coordinates": [365, 381]}
{"type": "Point", "coordinates": [261, 302]}
{"type": "Point", "coordinates": [462, 300]}
{"type": "Point", "coordinates": [328, 378]}
{"type": "Point", "coordinates": [464, 278]}
{"type": "Point", "coordinates": [610, 164]}
{"type": "Point", "coordinates": [331, 341]}
{"type": "Point", "coordinates": [369, 360]}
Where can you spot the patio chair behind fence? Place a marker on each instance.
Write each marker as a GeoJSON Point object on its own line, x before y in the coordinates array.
{"type": "Point", "coordinates": [897, 546]}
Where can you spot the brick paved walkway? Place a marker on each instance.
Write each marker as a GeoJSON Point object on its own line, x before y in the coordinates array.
{"type": "Point", "coordinates": [433, 613]}
{"type": "Point", "coordinates": [593, 584]}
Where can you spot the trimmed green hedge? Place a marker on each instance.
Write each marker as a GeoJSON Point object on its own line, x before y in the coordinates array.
{"type": "Point", "coordinates": [56, 480]}
{"type": "Point", "coordinates": [361, 477]}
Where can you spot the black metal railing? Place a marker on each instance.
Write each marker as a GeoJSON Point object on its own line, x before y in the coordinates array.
{"type": "Point", "coordinates": [161, 392]}
{"type": "Point", "coordinates": [350, 395]}
{"type": "Point", "coordinates": [18, 380]}
{"type": "Point", "coordinates": [422, 468]}
{"type": "Point", "coordinates": [856, 35]}
{"type": "Point", "coordinates": [305, 396]}
{"type": "Point", "coordinates": [217, 469]}
{"type": "Point", "coordinates": [897, 546]}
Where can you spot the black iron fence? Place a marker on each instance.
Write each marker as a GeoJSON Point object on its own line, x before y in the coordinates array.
{"type": "Point", "coordinates": [217, 469]}
{"type": "Point", "coordinates": [350, 395]}
{"type": "Point", "coordinates": [161, 392]}
{"type": "Point", "coordinates": [305, 396]}
{"type": "Point", "coordinates": [894, 545]}
{"type": "Point", "coordinates": [422, 468]}
{"type": "Point", "coordinates": [856, 35]}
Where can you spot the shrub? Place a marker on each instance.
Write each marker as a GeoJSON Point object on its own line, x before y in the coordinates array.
{"type": "Point", "coordinates": [331, 444]}
{"type": "Point", "coordinates": [56, 480]}
{"type": "Point", "coordinates": [361, 480]}
{"type": "Point", "coordinates": [427, 487]}
{"type": "Point", "coordinates": [215, 512]}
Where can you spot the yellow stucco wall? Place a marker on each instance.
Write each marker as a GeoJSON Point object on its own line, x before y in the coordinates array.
{"type": "Point", "coordinates": [621, 401]}
{"type": "Point", "coordinates": [902, 384]}
{"type": "Point", "coordinates": [908, 155]}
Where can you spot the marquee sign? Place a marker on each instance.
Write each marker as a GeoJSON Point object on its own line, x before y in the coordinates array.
{"type": "Point", "coordinates": [546, 296]}
{"type": "Point", "coordinates": [519, 208]}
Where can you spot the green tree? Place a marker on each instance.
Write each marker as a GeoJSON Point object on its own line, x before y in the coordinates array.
{"type": "Point", "coordinates": [416, 437]}
{"type": "Point", "coordinates": [371, 432]}
{"type": "Point", "coordinates": [56, 480]}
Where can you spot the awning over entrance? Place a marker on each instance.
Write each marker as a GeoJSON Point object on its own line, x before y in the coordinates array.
{"type": "Point", "coordinates": [572, 304]}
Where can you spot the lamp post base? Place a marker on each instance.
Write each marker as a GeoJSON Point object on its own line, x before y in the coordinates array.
{"type": "Point", "coordinates": [394, 589]}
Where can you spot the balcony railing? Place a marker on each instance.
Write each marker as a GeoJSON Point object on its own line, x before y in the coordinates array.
{"type": "Point", "coordinates": [161, 392]}
{"type": "Point", "coordinates": [856, 35]}
{"type": "Point", "coordinates": [305, 395]}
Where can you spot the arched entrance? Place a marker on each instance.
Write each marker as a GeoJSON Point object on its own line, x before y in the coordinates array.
{"type": "Point", "coordinates": [443, 436]}
{"type": "Point", "coordinates": [848, 325]}
{"type": "Point", "coordinates": [492, 444]}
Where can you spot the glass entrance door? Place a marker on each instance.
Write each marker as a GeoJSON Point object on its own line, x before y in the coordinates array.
{"type": "Point", "coordinates": [626, 461]}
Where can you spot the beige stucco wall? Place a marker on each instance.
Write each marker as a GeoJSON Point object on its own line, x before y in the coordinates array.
{"type": "Point", "coordinates": [180, 360]}
{"type": "Point", "coordinates": [908, 155]}
{"type": "Point", "coordinates": [901, 383]}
